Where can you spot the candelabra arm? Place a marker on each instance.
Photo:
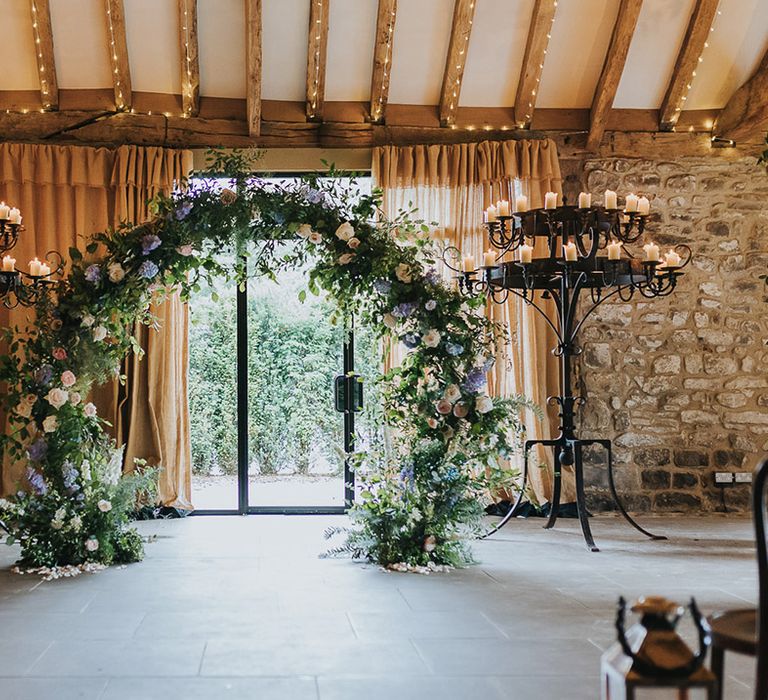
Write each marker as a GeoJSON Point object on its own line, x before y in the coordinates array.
{"type": "Point", "coordinates": [542, 313]}
{"type": "Point", "coordinates": [592, 309]}
{"type": "Point", "coordinates": [576, 290]}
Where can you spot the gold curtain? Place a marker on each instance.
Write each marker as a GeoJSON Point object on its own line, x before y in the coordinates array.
{"type": "Point", "coordinates": [64, 194]}
{"type": "Point", "coordinates": [452, 185]}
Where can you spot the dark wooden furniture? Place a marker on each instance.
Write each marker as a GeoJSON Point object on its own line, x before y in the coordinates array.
{"type": "Point", "coordinates": [746, 631]}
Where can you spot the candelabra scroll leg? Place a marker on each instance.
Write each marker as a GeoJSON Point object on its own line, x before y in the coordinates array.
{"type": "Point", "coordinates": [581, 501]}
{"type": "Point", "coordinates": [554, 505]}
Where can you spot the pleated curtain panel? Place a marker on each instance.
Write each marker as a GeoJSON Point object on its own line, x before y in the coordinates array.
{"type": "Point", "coordinates": [452, 185]}
{"type": "Point", "coordinates": [65, 193]}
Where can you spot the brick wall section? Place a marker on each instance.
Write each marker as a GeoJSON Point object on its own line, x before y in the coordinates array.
{"type": "Point", "coordinates": [680, 384]}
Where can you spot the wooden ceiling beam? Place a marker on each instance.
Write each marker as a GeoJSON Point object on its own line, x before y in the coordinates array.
{"type": "Point", "coordinates": [463, 14]}
{"type": "Point", "coordinates": [317, 46]}
{"type": "Point", "coordinates": [118, 54]}
{"type": "Point", "coordinates": [613, 67]}
{"type": "Point", "coordinates": [382, 58]}
{"type": "Point", "coordinates": [688, 59]}
{"type": "Point", "coordinates": [46, 62]}
{"type": "Point", "coordinates": [253, 65]}
{"type": "Point", "coordinates": [190, 64]}
{"type": "Point", "coordinates": [533, 61]}
{"type": "Point", "coordinates": [746, 113]}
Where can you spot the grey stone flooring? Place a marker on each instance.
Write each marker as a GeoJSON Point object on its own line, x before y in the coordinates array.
{"type": "Point", "coordinates": [242, 608]}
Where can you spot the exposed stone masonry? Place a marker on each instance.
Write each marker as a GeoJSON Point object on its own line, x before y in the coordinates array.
{"type": "Point", "coordinates": [680, 384]}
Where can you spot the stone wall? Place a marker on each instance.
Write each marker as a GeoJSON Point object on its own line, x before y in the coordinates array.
{"type": "Point", "coordinates": [680, 384]}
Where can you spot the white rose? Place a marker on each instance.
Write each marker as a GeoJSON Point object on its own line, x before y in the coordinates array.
{"type": "Point", "coordinates": [104, 506]}
{"type": "Point", "coordinates": [91, 544]}
{"type": "Point", "coordinates": [4, 504]}
{"type": "Point", "coordinates": [483, 404]}
{"type": "Point", "coordinates": [430, 543]}
{"type": "Point", "coordinates": [90, 410]}
{"type": "Point", "coordinates": [50, 424]}
{"type": "Point", "coordinates": [353, 243]}
{"type": "Point", "coordinates": [305, 230]}
{"type": "Point", "coordinates": [431, 338]}
{"type": "Point", "coordinates": [88, 320]}
{"type": "Point", "coordinates": [346, 258]}
{"type": "Point", "coordinates": [452, 392]}
{"type": "Point", "coordinates": [345, 231]}
{"type": "Point", "coordinates": [99, 333]}
{"type": "Point", "coordinates": [76, 522]}
{"type": "Point", "coordinates": [315, 237]}
{"type": "Point", "coordinates": [389, 321]}
{"type": "Point", "coordinates": [24, 409]}
{"type": "Point", "coordinates": [57, 524]}
{"type": "Point", "coordinates": [75, 398]}
{"type": "Point", "coordinates": [57, 397]}
{"type": "Point", "coordinates": [60, 514]}
{"type": "Point", "coordinates": [116, 272]}
{"type": "Point", "coordinates": [403, 273]}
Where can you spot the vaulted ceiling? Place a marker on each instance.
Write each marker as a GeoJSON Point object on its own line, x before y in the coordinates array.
{"type": "Point", "coordinates": [294, 71]}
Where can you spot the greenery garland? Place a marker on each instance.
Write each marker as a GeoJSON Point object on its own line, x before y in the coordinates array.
{"type": "Point", "coordinates": [420, 498]}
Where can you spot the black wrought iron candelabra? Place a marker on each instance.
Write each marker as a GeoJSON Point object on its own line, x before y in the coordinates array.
{"type": "Point", "coordinates": [19, 288]}
{"type": "Point", "coordinates": [578, 276]}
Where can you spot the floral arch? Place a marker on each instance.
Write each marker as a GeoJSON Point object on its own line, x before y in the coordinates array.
{"type": "Point", "coordinates": [419, 502]}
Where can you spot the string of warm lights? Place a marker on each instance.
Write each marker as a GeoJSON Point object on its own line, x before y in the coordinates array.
{"type": "Point", "coordinates": [684, 95]}
{"type": "Point", "coordinates": [187, 87]}
{"type": "Point", "coordinates": [119, 100]}
{"type": "Point", "coordinates": [316, 58]}
{"type": "Point", "coordinates": [387, 68]}
{"type": "Point", "coordinates": [45, 87]}
{"type": "Point", "coordinates": [541, 68]}
{"type": "Point", "coordinates": [453, 104]}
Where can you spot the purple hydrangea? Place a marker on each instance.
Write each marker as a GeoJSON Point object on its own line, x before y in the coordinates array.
{"type": "Point", "coordinates": [93, 273]}
{"type": "Point", "coordinates": [432, 276]}
{"type": "Point", "coordinates": [454, 349]}
{"type": "Point", "coordinates": [475, 380]}
{"type": "Point", "coordinates": [411, 340]}
{"type": "Point", "coordinates": [37, 450]}
{"type": "Point", "coordinates": [315, 196]}
{"type": "Point", "coordinates": [44, 374]}
{"type": "Point", "coordinates": [149, 243]}
{"type": "Point", "coordinates": [148, 270]}
{"type": "Point", "coordinates": [406, 476]}
{"type": "Point", "coordinates": [405, 309]}
{"type": "Point", "coordinates": [70, 478]}
{"type": "Point", "coordinates": [37, 482]}
{"type": "Point", "coordinates": [382, 286]}
{"type": "Point", "coordinates": [183, 210]}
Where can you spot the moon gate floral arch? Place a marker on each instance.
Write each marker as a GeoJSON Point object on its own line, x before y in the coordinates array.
{"type": "Point", "coordinates": [420, 500]}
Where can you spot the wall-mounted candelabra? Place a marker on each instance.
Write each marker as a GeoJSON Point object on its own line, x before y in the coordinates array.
{"type": "Point", "coordinates": [589, 256]}
{"type": "Point", "coordinates": [18, 288]}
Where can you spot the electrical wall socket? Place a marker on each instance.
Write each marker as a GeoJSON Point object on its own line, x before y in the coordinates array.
{"type": "Point", "coordinates": [743, 477]}
{"type": "Point", "coordinates": [724, 477]}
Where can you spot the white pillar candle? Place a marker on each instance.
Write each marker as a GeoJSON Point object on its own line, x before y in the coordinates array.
{"type": "Point", "coordinates": [502, 207]}
{"type": "Point", "coordinates": [550, 200]}
{"type": "Point", "coordinates": [14, 216]}
{"type": "Point", "coordinates": [643, 206]}
{"type": "Point", "coordinates": [526, 253]}
{"type": "Point", "coordinates": [610, 200]}
{"type": "Point", "coordinates": [571, 254]}
{"type": "Point", "coordinates": [34, 267]}
{"type": "Point", "coordinates": [469, 263]}
{"type": "Point", "coordinates": [4, 210]}
{"type": "Point", "coordinates": [489, 258]}
{"type": "Point", "coordinates": [585, 200]}
{"type": "Point", "coordinates": [672, 259]}
{"type": "Point", "coordinates": [521, 203]}
{"type": "Point", "coordinates": [614, 250]}
{"type": "Point", "coordinates": [631, 203]}
{"type": "Point", "coordinates": [45, 270]}
{"type": "Point", "coordinates": [651, 252]}
{"type": "Point", "coordinates": [9, 264]}
{"type": "Point", "coordinates": [490, 213]}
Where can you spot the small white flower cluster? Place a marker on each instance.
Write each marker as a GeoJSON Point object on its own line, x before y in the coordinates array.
{"type": "Point", "coordinates": [431, 568]}
{"type": "Point", "coordinates": [51, 573]}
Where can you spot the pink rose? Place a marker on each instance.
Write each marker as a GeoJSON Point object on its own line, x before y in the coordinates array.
{"type": "Point", "coordinates": [68, 378]}
{"type": "Point", "coordinates": [59, 354]}
{"type": "Point", "coordinates": [353, 243]}
{"type": "Point", "coordinates": [185, 250]}
{"type": "Point", "coordinates": [432, 423]}
{"type": "Point", "coordinates": [460, 410]}
{"type": "Point", "coordinates": [444, 407]}
{"type": "Point", "coordinates": [90, 410]}
{"type": "Point", "coordinates": [346, 258]}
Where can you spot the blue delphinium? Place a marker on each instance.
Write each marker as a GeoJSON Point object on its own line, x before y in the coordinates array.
{"type": "Point", "coordinates": [183, 210]}
{"type": "Point", "coordinates": [454, 349]}
{"type": "Point", "coordinates": [37, 482]}
{"type": "Point", "coordinates": [432, 276]}
{"type": "Point", "coordinates": [149, 243]}
{"type": "Point", "coordinates": [411, 340]}
{"type": "Point", "coordinates": [475, 380]}
{"type": "Point", "coordinates": [405, 309]}
{"type": "Point", "coordinates": [37, 450]}
{"type": "Point", "coordinates": [315, 196]}
{"type": "Point", "coordinates": [148, 270]}
{"type": "Point", "coordinates": [382, 286]}
{"type": "Point", "coordinates": [70, 477]}
{"type": "Point", "coordinates": [93, 273]}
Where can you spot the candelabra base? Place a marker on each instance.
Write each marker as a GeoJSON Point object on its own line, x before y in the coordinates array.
{"type": "Point", "coordinates": [569, 451]}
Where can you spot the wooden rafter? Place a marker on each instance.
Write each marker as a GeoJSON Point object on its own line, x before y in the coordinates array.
{"type": "Point", "coordinates": [190, 65]}
{"type": "Point", "coordinates": [46, 63]}
{"type": "Point", "coordinates": [623, 30]}
{"type": "Point", "coordinates": [687, 62]}
{"type": "Point", "coordinates": [118, 54]}
{"type": "Point", "coordinates": [382, 58]}
{"type": "Point", "coordinates": [463, 14]}
{"type": "Point", "coordinates": [746, 113]}
{"type": "Point", "coordinates": [317, 45]}
{"type": "Point", "coordinates": [253, 67]}
{"type": "Point", "coordinates": [533, 62]}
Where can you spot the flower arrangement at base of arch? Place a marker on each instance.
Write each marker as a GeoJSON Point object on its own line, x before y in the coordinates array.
{"type": "Point", "coordinates": [419, 500]}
